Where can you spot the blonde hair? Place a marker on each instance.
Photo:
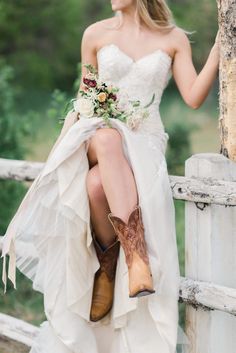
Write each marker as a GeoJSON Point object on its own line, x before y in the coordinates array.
{"type": "Point", "coordinates": [156, 14]}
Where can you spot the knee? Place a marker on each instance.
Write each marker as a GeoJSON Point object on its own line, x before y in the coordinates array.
{"type": "Point", "coordinates": [107, 140]}
{"type": "Point", "coordinates": [94, 185]}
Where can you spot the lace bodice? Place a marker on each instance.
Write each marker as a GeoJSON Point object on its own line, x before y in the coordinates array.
{"type": "Point", "coordinates": [138, 78]}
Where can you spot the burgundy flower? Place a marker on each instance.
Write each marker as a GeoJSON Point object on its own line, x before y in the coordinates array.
{"type": "Point", "coordinates": [90, 83]}
{"type": "Point", "coordinates": [112, 96]}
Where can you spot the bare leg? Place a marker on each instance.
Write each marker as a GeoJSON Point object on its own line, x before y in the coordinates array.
{"type": "Point", "coordinates": [115, 182]}
{"type": "Point", "coordinates": [99, 208]}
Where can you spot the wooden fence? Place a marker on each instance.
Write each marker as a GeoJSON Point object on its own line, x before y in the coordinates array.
{"type": "Point", "coordinates": [209, 288]}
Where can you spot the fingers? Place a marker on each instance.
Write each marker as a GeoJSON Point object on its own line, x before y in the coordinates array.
{"type": "Point", "coordinates": [217, 39]}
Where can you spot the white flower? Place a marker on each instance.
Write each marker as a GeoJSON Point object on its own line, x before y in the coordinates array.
{"type": "Point", "coordinates": [99, 83]}
{"type": "Point", "coordinates": [93, 96]}
{"type": "Point", "coordinates": [123, 102]}
{"type": "Point", "coordinates": [91, 76]}
{"type": "Point", "coordinates": [136, 118]}
{"type": "Point", "coordinates": [84, 107]}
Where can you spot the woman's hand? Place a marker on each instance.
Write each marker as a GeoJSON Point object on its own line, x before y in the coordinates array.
{"type": "Point", "coordinates": [216, 48]}
{"type": "Point", "coordinates": [217, 39]}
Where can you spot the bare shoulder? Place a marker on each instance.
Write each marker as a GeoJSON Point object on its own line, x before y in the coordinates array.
{"type": "Point", "coordinates": [180, 39]}
{"type": "Point", "coordinates": [97, 29]}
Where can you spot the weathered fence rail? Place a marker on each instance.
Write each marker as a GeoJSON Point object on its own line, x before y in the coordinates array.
{"type": "Point", "coordinates": [201, 190]}
{"type": "Point", "coordinates": [17, 330]}
{"type": "Point", "coordinates": [198, 294]}
{"type": "Point", "coordinates": [12, 169]}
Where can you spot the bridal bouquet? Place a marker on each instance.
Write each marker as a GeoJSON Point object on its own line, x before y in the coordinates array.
{"type": "Point", "coordinates": [98, 99]}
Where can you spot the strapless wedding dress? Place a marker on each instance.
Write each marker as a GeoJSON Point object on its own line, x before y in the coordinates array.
{"type": "Point", "coordinates": [49, 238]}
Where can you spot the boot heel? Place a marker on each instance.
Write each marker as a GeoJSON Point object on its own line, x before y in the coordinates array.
{"type": "Point", "coordinates": [142, 293]}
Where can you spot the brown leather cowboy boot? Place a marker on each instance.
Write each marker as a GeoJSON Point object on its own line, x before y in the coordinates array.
{"type": "Point", "coordinates": [132, 240]}
{"type": "Point", "coordinates": [104, 280]}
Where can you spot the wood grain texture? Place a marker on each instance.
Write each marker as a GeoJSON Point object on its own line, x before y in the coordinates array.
{"type": "Point", "coordinates": [227, 76]}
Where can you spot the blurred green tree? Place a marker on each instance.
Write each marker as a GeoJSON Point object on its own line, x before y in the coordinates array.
{"type": "Point", "coordinates": [13, 129]}
{"type": "Point", "coordinates": [41, 39]}
{"type": "Point", "coordinates": [179, 146]}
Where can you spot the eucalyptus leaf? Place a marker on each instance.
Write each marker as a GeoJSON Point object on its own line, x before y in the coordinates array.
{"type": "Point", "coordinates": [152, 100]}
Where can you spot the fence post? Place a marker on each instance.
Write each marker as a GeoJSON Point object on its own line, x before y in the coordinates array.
{"type": "Point", "coordinates": [210, 255]}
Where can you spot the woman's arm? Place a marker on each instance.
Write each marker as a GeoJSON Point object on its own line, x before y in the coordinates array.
{"type": "Point", "coordinates": [193, 87]}
{"type": "Point", "coordinates": [88, 51]}
{"type": "Point", "coordinates": [88, 56]}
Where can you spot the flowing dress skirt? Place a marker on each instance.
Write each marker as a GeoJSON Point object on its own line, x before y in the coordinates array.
{"type": "Point", "coordinates": [49, 240]}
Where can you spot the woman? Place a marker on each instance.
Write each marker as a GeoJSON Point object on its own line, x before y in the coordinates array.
{"type": "Point", "coordinates": [96, 230]}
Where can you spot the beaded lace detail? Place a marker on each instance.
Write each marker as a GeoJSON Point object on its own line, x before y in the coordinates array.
{"type": "Point", "coordinates": [154, 70]}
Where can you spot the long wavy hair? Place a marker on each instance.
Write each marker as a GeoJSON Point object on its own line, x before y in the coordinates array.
{"type": "Point", "coordinates": [156, 14]}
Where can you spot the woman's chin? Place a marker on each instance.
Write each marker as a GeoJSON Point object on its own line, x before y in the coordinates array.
{"type": "Point", "coordinates": [115, 8]}
{"type": "Point", "coordinates": [118, 5]}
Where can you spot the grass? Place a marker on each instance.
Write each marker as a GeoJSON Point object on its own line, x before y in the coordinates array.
{"type": "Point", "coordinates": [23, 303]}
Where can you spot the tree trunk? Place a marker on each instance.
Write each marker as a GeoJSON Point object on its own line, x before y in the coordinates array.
{"type": "Point", "coordinates": [227, 76]}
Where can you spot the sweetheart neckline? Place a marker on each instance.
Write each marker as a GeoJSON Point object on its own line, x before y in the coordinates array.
{"type": "Point", "coordinates": [159, 50]}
